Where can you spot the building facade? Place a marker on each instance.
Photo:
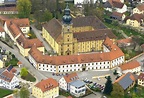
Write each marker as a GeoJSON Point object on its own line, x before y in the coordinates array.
{"type": "Point", "coordinates": [48, 88]}
{"type": "Point", "coordinates": [77, 35]}
{"type": "Point", "coordinates": [141, 79]}
{"type": "Point", "coordinates": [110, 57]}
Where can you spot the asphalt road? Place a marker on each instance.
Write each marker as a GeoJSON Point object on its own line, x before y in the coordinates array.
{"type": "Point", "coordinates": [39, 36]}
{"type": "Point", "coordinates": [31, 69]}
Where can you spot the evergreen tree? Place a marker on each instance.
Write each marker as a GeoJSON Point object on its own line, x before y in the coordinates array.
{"type": "Point", "coordinates": [108, 86]}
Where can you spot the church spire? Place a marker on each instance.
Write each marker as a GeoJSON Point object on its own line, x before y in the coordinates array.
{"type": "Point", "coordinates": [67, 17]}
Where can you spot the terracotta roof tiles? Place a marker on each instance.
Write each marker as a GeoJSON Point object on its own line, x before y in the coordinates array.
{"type": "Point", "coordinates": [141, 7]}
{"type": "Point", "coordinates": [71, 77]}
{"type": "Point", "coordinates": [47, 84]}
{"type": "Point", "coordinates": [130, 65]}
{"type": "Point", "coordinates": [141, 76]}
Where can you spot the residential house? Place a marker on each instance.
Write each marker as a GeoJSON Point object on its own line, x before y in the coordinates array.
{"type": "Point", "coordinates": [2, 33]}
{"type": "Point", "coordinates": [126, 81]}
{"type": "Point", "coordinates": [141, 79]}
{"type": "Point", "coordinates": [118, 16]}
{"type": "Point", "coordinates": [72, 84]}
{"type": "Point", "coordinates": [122, 1]}
{"type": "Point", "coordinates": [111, 57]}
{"type": "Point", "coordinates": [135, 20]}
{"type": "Point", "coordinates": [132, 66]}
{"type": "Point", "coordinates": [77, 88]}
{"type": "Point", "coordinates": [139, 9]}
{"type": "Point", "coordinates": [18, 29]}
{"type": "Point", "coordinates": [48, 88]}
{"type": "Point", "coordinates": [8, 10]}
{"type": "Point", "coordinates": [8, 78]}
{"type": "Point", "coordinates": [115, 5]}
{"type": "Point", "coordinates": [125, 42]}
{"type": "Point", "coordinates": [65, 80]}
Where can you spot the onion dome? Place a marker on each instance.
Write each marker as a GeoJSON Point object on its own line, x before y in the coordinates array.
{"type": "Point", "coordinates": [67, 17]}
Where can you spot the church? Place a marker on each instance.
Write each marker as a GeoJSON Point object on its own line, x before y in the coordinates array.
{"type": "Point", "coordinates": [70, 36]}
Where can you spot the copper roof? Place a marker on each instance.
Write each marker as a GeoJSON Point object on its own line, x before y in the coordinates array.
{"type": "Point", "coordinates": [71, 77]}
{"type": "Point", "coordinates": [94, 35]}
{"type": "Point", "coordinates": [130, 65]}
{"type": "Point", "coordinates": [141, 7]}
{"type": "Point", "coordinates": [47, 84]}
{"type": "Point", "coordinates": [75, 59]}
{"type": "Point", "coordinates": [141, 76]}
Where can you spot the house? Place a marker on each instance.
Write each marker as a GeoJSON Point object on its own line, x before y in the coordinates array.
{"type": "Point", "coordinates": [118, 16]}
{"type": "Point", "coordinates": [125, 42]}
{"type": "Point", "coordinates": [122, 1]}
{"type": "Point", "coordinates": [8, 10]}
{"type": "Point", "coordinates": [77, 88]}
{"type": "Point", "coordinates": [135, 20]}
{"type": "Point", "coordinates": [72, 84]}
{"type": "Point", "coordinates": [115, 5]}
{"type": "Point", "coordinates": [111, 57]}
{"type": "Point", "coordinates": [65, 80]}
{"type": "Point", "coordinates": [139, 9]}
{"type": "Point", "coordinates": [48, 88]}
{"type": "Point", "coordinates": [8, 78]}
{"type": "Point", "coordinates": [141, 79]}
{"type": "Point", "coordinates": [2, 33]}
{"type": "Point", "coordinates": [18, 29]}
{"type": "Point", "coordinates": [126, 81]}
{"type": "Point", "coordinates": [132, 66]}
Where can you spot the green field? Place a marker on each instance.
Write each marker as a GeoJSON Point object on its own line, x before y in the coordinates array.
{"type": "Point", "coordinates": [5, 92]}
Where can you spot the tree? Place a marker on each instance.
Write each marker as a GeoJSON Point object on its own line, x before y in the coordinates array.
{"type": "Point", "coordinates": [47, 16]}
{"type": "Point", "coordinates": [117, 91]}
{"type": "Point", "coordinates": [24, 8]}
{"type": "Point", "coordinates": [15, 92]}
{"type": "Point", "coordinates": [108, 86]}
{"type": "Point", "coordinates": [24, 72]}
{"type": "Point", "coordinates": [24, 93]}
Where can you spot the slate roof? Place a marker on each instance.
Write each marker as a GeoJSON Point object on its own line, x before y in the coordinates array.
{"type": "Point", "coordinates": [77, 83]}
{"type": "Point", "coordinates": [126, 80]}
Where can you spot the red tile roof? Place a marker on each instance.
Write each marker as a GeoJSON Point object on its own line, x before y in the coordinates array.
{"type": "Point", "coordinates": [141, 76]}
{"type": "Point", "coordinates": [141, 7]}
{"type": "Point", "coordinates": [127, 40]}
{"type": "Point", "coordinates": [1, 29]}
{"type": "Point", "coordinates": [47, 84]}
{"type": "Point", "coordinates": [8, 9]}
{"type": "Point", "coordinates": [6, 76]}
{"type": "Point", "coordinates": [130, 65]}
{"type": "Point", "coordinates": [81, 58]}
{"type": "Point", "coordinates": [71, 77]}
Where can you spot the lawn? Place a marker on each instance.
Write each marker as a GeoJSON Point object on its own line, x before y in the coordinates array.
{"type": "Point", "coordinates": [5, 92]}
{"type": "Point", "coordinates": [13, 62]}
{"type": "Point", "coordinates": [29, 77]}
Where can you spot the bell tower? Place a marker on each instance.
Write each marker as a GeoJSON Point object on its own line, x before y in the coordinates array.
{"type": "Point", "coordinates": [67, 47]}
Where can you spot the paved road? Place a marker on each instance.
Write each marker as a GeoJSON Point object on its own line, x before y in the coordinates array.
{"type": "Point", "coordinates": [32, 70]}
{"type": "Point", "coordinates": [38, 35]}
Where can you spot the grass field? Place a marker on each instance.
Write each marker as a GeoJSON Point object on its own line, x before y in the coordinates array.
{"type": "Point", "coordinates": [5, 92]}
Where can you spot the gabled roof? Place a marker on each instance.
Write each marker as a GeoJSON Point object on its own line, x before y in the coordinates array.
{"type": "Point", "coordinates": [130, 65]}
{"type": "Point", "coordinates": [47, 84]}
{"type": "Point", "coordinates": [141, 7]}
{"type": "Point", "coordinates": [94, 35]}
{"type": "Point", "coordinates": [76, 59]}
{"type": "Point", "coordinates": [141, 76]}
{"type": "Point", "coordinates": [6, 76]}
{"type": "Point", "coordinates": [125, 41]}
{"type": "Point", "coordinates": [126, 80]}
{"type": "Point", "coordinates": [136, 16]}
{"type": "Point", "coordinates": [8, 9]}
{"type": "Point", "coordinates": [71, 77]}
{"type": "Point", "coordinates": [117, 14]}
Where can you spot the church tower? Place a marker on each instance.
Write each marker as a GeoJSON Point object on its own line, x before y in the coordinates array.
{"type": "Point", "coordinates": [67, 47]}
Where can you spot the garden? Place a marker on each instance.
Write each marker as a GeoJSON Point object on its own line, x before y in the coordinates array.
{"type": "Point", "coordinates": [5, 92]}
